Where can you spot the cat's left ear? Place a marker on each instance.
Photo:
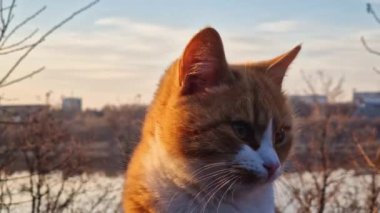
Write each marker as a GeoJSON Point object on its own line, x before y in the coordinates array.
{"type": "Point", "coordinates": [203, 64]}
{"type": "Point", "coordinates": [277, 67]}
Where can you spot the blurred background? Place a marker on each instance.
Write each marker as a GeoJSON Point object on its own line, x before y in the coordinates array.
{"type": "Point", "coordinates": [77, 77]}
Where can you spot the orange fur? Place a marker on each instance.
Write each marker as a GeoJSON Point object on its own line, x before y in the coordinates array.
{"type": "Point", "coordinates": [187, 125]}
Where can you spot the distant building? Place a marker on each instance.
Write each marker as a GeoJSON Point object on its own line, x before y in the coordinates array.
{"type": "Point", "coordinates": [367, 104]}
{"type": "Point", "coordinates": [72, 105]}
{"type": "Point", "coordinates": [17, 113]}
{"type": "Point", "coordinates": [309, 99]}
{"type": "Point", "coordinates": [306, 105]}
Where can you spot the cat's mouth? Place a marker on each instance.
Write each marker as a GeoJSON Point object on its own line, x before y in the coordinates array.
{"type": "Point", "coordinates": [252, 177]}
{"type": "Point", "coordinates": [249, 177]}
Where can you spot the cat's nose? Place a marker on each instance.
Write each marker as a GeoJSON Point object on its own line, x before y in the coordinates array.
{"type": "Point", "coordinates": [271, 168]}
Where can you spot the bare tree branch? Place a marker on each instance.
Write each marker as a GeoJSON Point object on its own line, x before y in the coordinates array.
{"type": "Point", "coordinates": [23, 23]}
{"type": "Point", "coordinates": [369, 49]}
{"type": "Point", "coordinates": [6, 8]}
{"type": "Point", "coordinates": [6, 21]}
{"type": "Point", "coordinates": [16, 49]}
{"type": "Point", "coordinates": [372, 12]}
{"type": "Point", "coordinates": [14, 123]}
{"type": "Point", "coordinates": [21, 41]}
{"type": "Point", "coordinates": [369, 162]}
{"type": "Point", "coordinates": [376, 70]}
{"type": "Point", "coordinates": [22, 78]}
{"type": "Point", "coordinates": [42, 39]}
{"type": "Point", "coordinates": [309, 84]}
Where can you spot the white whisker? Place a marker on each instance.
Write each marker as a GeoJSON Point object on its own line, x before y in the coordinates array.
{"type": "Point", "coordinates": [233, 180]}
{"type": "Point", "coordinates": [216, 189]}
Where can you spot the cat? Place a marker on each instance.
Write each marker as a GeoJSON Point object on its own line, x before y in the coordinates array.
{"type": "Point", "coordinates": [215, 136]}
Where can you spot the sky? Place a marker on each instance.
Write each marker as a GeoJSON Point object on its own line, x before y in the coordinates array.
{"type": "Point", "coordinates": [118, 49]}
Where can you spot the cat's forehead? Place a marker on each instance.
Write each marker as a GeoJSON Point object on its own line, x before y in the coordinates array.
{"type": "Point", "coordinates": [258, 99]}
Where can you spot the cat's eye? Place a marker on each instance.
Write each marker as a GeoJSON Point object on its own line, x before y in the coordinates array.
{"type": "Point", "coordinates": [279, 136]}
{"type": "Point", "coordinates": [242, 129]}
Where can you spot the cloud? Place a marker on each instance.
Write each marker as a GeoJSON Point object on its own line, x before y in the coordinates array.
{"type": "Point", "coordinates": [102, 74]}
{"type": "Point", "coordinates": [118, 55]}
{"type": "Point", "coordinates": [122, 57]}
{"type": "Point", "coordinates": [145, 31]}
{"type": "Point", "coordinates": [115, 43]}
{"type": "Point", "coordinates": [282, 26]}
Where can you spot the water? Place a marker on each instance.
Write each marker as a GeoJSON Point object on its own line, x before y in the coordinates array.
{"type": "Point", "coordinates": [345, 191]}
{"type": "Point", "coordinates": [92, 193]}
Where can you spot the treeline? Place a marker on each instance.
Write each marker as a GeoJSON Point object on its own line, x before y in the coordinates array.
{"type": "Point", "coordinates": [104, 139]}
{"type": "Point", "coordinates": [98, 140]}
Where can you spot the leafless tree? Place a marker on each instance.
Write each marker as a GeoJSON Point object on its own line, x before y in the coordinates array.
{"type": "Point", "coordinates": [53, 165]}
{"type": "Point", "coordinates": [38, 142]}
{"type": "Point", "coordinates": [46, 148]}
{"type": "Point", "coordinates": [28, 42]}
{"type": "Point", "coordinates": [326, 158]}
{"type": "Point", "coordinates": [324, 85]}
{"type": "Point", "coordinates": [371, 50]}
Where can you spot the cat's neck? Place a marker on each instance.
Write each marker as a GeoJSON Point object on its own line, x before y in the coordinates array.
{"type": "Point", "coordinates": [258, 199]}
{"type": "Point", "coordinates": [166, 178]}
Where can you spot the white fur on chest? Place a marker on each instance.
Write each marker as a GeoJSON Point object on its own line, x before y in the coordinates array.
{"type": "Point", "coordinates": [261, 199]}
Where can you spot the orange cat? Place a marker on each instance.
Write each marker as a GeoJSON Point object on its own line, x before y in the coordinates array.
{"type": "Point", "coordinates": [215, 135]}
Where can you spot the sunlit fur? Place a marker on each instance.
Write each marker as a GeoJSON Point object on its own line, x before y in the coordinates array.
{"type": "Point", "coordinates": [186, 159]}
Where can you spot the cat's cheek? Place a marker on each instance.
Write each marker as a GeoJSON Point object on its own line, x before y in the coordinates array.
{"type": "Point", "coordinates": [283, 150]}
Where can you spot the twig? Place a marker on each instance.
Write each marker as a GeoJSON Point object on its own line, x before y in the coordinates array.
{"type": "Point", "coordinates": [6, 22]}
{"type": "Point", "coordinates": [19, 202]}
{"type": "Point", "coordinates": [20, 42]}
{"type": "Point", "coordinates": [376, 70]}
{"type": "Point", "coordinates": [2, 12]}
{"type": "Point", "coordinates": [369, 49]}
{"type": "Point", "coordinates": [25, 21]}
{"type": "Point", "coordinates": [307, 80]}
{"type": "Point", "coordinates": [15, 123]}
{"type": "Point", "coordinates": [22, 78]}
{"type": "Point", "coordinates": [372, 12]}
{"type": "Point", "coordinates": [15, 178]}
{"type": "Point", "coordinates": [42, 39]}
{"type": "Point", "coordinates": [6, 8]}
{"type": "Point", "coordinates": [16, 50]}
{"type": "Point", "coordinates": [369, 162]}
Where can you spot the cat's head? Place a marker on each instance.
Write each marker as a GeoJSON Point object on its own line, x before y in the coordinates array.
{"type": "Point", "coordinates": [228, 120]}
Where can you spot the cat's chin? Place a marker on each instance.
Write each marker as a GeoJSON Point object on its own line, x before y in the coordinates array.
{"type": "Point", "coordinates": [248, 186]}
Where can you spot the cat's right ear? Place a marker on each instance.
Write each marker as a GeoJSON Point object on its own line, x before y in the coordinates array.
{"type": "Point", "coordinates": [203, 64]}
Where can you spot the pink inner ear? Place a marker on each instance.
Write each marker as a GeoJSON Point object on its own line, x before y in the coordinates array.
{"type": "Point", "coordinates": [203, 62]}
{"type": "Point", "coordinates": [201, 75]}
